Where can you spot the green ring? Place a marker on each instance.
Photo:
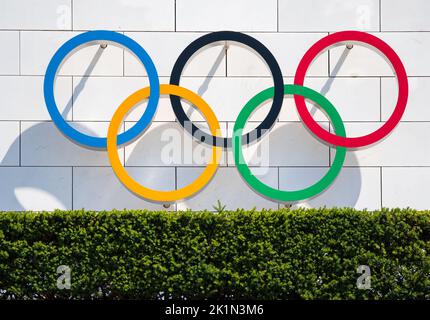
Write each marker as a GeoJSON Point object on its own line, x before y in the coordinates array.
{"type": "Point", "coordinates": [264, 189]}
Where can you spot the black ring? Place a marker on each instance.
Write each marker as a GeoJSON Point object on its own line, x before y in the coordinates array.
{"type": "Point", "coordinates": [262, 51]}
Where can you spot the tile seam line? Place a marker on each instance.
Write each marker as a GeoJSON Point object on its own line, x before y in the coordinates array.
{"type": "Point", "coordinates": [223, 166]}
{"type": "Point", "coordinates": [208, 31]}
{"type": "Point", "coordinates": [215, 77]}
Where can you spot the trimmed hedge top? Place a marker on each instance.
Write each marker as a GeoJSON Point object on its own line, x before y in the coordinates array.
{"type": "Point", "coordinates": [285, 254]}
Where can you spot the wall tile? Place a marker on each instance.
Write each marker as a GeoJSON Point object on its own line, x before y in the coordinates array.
{"type": "Point", "coordinates": [228, 187]}
{"type": "Point", "coordinates": [355, 99]}
{"type": "Point", "coordinates": [287, 48]}
{"type": "Point", "coordinates": [399, 15]}
{"type": "Point", "coordinates": [417, 108]}
{"type": "Point", "coordinates": [35, 189]}
{"type": "Point", "coordinates": [9, 54]}
{"type": "Point", "coordinates": [36, 14]}
{"type": "Point", "coordinates": [405, 187]}
{"type": "Point", "coordinates": [286, 144]}
{"type": "Point", "coordinates": [21, 98]}
{"type": "Point", "coordinates": [196, 15]}
{"type": "Point", "coordinates": [97, 98]}
{"type": "Point", "coordinates": [99, 188]}
{"type": "Point", "coordinates": [38, 47]}
{"type": "Point", "coordinates": [165, 48]}
{"type": "Point", "coordinates": [407, 145]}
{"type": "Point", "coordinates": [328, 15]}
{"type": "Point", "coordinates": [168, 144]}
{"type": "Point", "coordinates": [354, 187]}
{"type": "Point", "coordinates": [136, 15]}
{"type": "Point", "coordinates": [42, 144]}
{"type": "Point", "coordinates": [9, 147]}
{"type": "Point", "coordinates": [411, 47]}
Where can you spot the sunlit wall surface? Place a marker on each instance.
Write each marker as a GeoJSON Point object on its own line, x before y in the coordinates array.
{"type": "Point", "coordinates": [40, 169]}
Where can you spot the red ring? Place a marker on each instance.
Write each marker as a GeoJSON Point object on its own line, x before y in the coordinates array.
{"type": "Point", "coordinates": [402, 79]}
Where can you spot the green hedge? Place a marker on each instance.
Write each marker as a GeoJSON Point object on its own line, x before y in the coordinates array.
{"type": "Point", "coordinates": [285, 254]}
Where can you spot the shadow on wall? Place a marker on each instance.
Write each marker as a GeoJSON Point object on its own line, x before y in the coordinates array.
{"type": "Point", "coordinates": [11, 200]}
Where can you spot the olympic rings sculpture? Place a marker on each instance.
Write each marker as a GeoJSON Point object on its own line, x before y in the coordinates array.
{"type": "Point", "coordinates": [276, 93]}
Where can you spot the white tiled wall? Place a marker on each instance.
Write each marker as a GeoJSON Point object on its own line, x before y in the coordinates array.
{"type": "Point", "coordinates": [40, 169]}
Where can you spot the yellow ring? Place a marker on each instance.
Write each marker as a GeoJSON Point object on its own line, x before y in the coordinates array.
{"type": "Point", "coordinates": [129, 182]}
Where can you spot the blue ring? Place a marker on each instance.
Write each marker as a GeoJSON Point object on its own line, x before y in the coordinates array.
{"type": "Point", "coordinates": [64, 50]}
